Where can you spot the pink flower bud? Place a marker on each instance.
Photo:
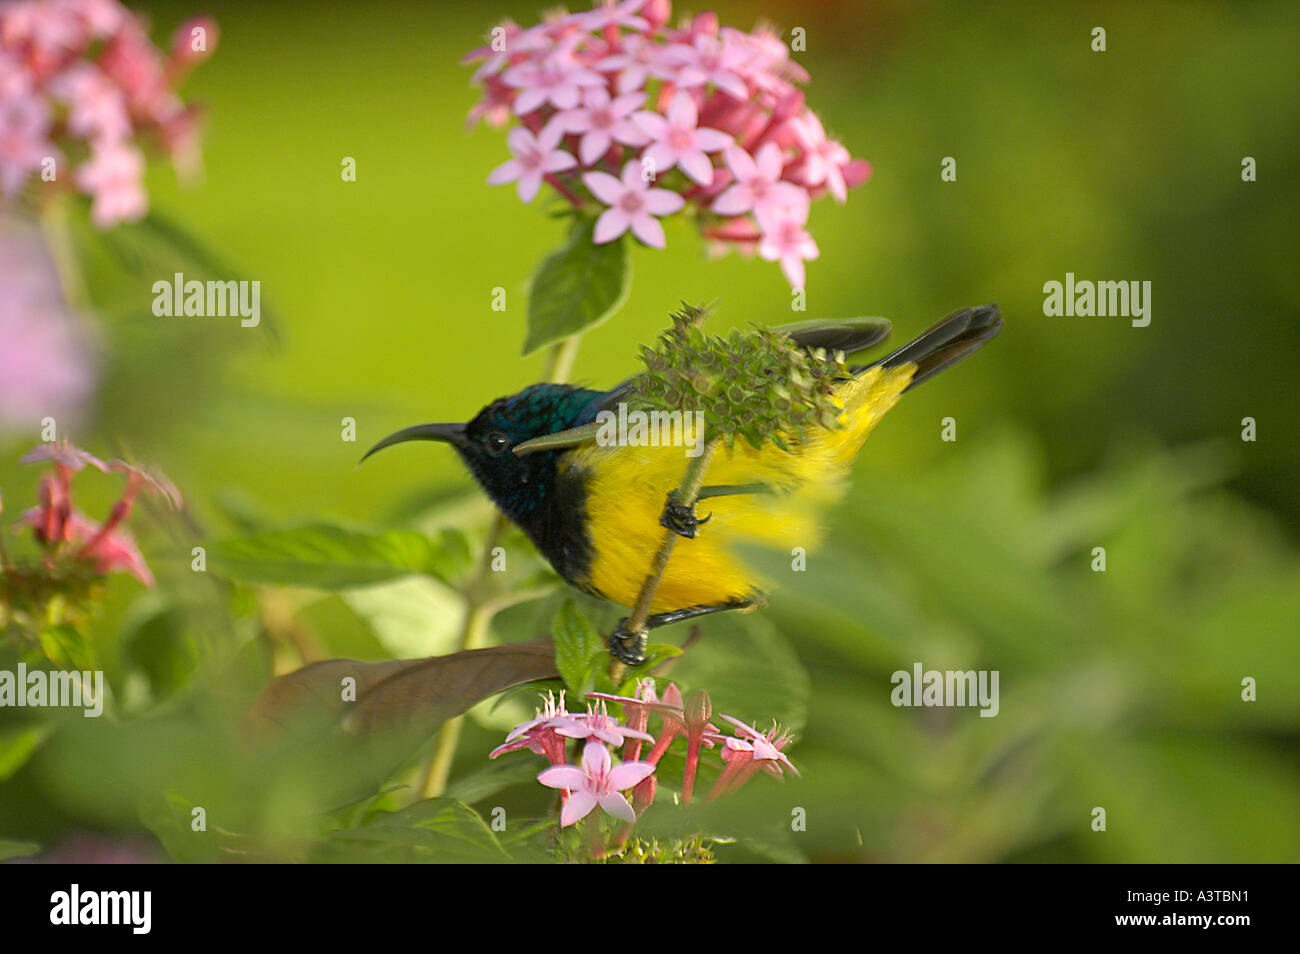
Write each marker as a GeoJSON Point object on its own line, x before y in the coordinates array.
{"type": "Point", "coordinates": [643, 795]}
{"type": "Point", "coordinates": [699, 710]}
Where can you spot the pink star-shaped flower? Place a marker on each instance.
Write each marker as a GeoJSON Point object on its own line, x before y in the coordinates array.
{"type": "Point", "coordinates": [638, 60]}
{"type": "Point", "coordinates": [534, 158]}
{"type": "Point", "coordinates": [614, 14]}
{"type": "Point", "coordinates": [676, 140]}
{"type": "Point", "coordinates": [759, 187]}
{"type": "Point", "coordinates": [785, 240]}
{"type": "Point", "coordinates": [539, 734]}
{"type": "Point", "coordinates": [824, 159]}
{"type": "Point", "coordinates": [709, 60]}
{"type": "Point", "coordinates": [598, 724]}
{"type": "Point", "coordinates": [632, 205]}
{"type": "Point", "coordinates": [602, 121]}
{"type": "Point", "coordinates": [597, 782]}
{"type": "Point", "coordinates": [558, 79]}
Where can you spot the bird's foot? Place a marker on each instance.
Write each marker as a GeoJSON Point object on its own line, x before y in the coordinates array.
{"type": "Point", "coordinates": [628, 648]}
{"type": "Point", "coordinates": [681, 519]}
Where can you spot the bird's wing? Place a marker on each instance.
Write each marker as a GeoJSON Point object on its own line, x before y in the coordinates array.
{"type": "Point", "coordinates": [844, 334]}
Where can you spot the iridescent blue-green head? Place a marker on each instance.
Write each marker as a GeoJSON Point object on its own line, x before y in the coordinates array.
{"type": "Point", "coordinates": [519, 484]}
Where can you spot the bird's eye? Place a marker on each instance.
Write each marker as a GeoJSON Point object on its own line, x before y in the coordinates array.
{"type": "Point", "coordinates": [496, 442]}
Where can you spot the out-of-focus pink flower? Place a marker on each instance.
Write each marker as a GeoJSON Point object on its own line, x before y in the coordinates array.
{"type": "Point", "coordinates": [47, 366]}
{"type": "Point", "coordinates": [108, 547]}
{"type": "Point", "coordinates": [758, 185]}
{"type": "Point", "coordinates": [96, 105]}
{"type": "Point", "coordinates": [559, 80]}
{"type": "Point", "coordinates": [115, 177]}
{"type": "Point", "coordinates": [704, 86]}
{"type": "Point", "coordinates": [824, 159]}
{"type": "Point", "coordinates": [785, 240]}
{"type": "Point", "coordinates": [709, 60]}
{"type": "Point", "coordinates": [24, 127]}
{"type": "Point", "coordinates": [88, 70]}
{"type": "Point", "coordinates": [632, 205]}
{"type": "Point", "coordinates": [677, 140]}
{"type": "Point", "coordinates": [534, 157]}
{"type": "Point", "coordinates": [602, 121]}
{"type": "Point", "coordinates": [64, 453]}
{"type": "Point", "coordinates": [639, 61]}
{"type": "Point", "coordinates": [597, 782]}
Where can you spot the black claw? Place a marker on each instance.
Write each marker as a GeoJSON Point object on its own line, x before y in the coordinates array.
{"type": "Point", "coordinates": [627, 647]}
{"type": "Point", "coordinates": [681, 519]}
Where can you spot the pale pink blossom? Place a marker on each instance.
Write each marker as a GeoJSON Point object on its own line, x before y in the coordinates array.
{"type": "Point", "coordinates": [558, 79]}
{"type": "Point", "coordinates": [598, 724]}
{"type": "Point", "coordinates": [114, 176]}
{"type": "Point", "coordinates": [596, 782]}
{"type": "Point", "coordinates": [534, 158]}
{"type": "Point", "coordinates": [602, 121]}
{"type": "Point", "coordinates": [785, 240]}
{"type": "Point", "coordinates": [676, 140]}
{"type": "Point", "coordinates": [96, 105]}
{"type": "Point", "coordinates": [632, 205]}
{"type": "Point", "coordinates": [611, 14]}
{"type": "Point", "coordinates": [758, 186]}
{"type": "Point", "coordinates": [824, 159]}
{"type": "Point", "coordinates": [539, 733]}
{"type": "Point", "coordinates": [709, 60]}
{"type": "Point", "coordinates": [24, 126]}
{"type": "Point", "coordinates": [637, 61]}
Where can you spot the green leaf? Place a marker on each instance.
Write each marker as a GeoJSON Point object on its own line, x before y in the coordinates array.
{"type": "Point", "coordinates": [436, 829]}
{"type": "Point", "coordinates": [66, 648]}
{"type": "Point", "coordinates": [329, 557]}
{"type": "Point", "coordinates": [344, 726]}
{"type": "Point", "coordinates": [17, 745]}
{"type": "Point", "coordinates": [17, 849]}
{"type": "Point", "coordinates": [577, 288]}
{"type": "Point", "coordinates": [576, 641]}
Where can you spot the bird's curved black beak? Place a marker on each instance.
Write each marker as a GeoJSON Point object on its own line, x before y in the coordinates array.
{"type": "Point", "coordinates": [453, 434]}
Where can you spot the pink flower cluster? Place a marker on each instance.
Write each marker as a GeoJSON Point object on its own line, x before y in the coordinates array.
{"type": "Point", "coordinates": [81, 82]}
{"type": "Point", "coordinates": [596, 781]}
{"type": "Point", "coordinates": [617, 107]}
{"type": "Point", "coordinates": [66, 533]}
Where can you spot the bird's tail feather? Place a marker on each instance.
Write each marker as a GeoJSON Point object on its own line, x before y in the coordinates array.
{"type": "Point", "coordinates": [945, 343]}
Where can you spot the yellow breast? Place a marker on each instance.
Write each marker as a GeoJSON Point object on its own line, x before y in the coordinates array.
{"type": "Point", "coordinates": [627, 487]}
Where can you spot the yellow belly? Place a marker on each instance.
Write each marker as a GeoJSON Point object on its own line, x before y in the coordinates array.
{"type": "Point", "coordinates": [627, 487]}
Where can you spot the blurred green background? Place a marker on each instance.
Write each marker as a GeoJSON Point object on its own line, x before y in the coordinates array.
{"type": "Point", "coordinates": [1120, 689]}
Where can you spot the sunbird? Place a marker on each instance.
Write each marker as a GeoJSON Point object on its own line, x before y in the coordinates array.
{"type": "Point", "coordinates": [597, 510]}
